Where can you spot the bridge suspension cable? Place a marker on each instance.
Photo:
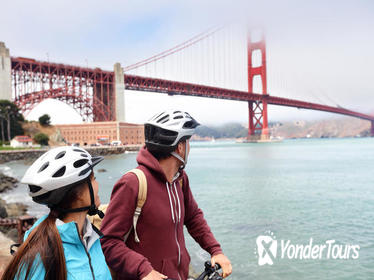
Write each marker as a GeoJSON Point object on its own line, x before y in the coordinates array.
{"type": "Point", "coordinates": [177, 48]}
{"type": "Point", "coordinates": [216, 57]}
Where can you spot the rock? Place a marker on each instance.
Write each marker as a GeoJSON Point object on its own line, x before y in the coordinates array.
{"type": "Point", "coordinates": [7, 183]}
{"type": "Point", "coordinates": [3, 212]}
{"type": "Point", "coordinates": [102, 170]}
{"type": "Point", "coordinates": [4, 186]}
{"type": "Point", "coordinates": [12, 234]}
{"type": "Point", "coordinates": [57, 137]}
{"type": "Point", "coordinates": [16, 209]}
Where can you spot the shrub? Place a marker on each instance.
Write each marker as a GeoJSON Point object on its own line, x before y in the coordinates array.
{"type": "Point", "coordinates": [45, 120]}
{"type": "Point", "coordinates": [41, 139]}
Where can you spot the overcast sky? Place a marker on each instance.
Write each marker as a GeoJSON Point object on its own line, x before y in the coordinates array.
{"type": "Point", "coordinates": [320, 51]}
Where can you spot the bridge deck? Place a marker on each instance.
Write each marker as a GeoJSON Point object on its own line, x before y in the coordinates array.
{"type": "Point", "coordinates": [133, 82]}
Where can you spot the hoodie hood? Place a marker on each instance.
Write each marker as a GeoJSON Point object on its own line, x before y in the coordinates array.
{"type": "Point", "coordinates": [146, 159]}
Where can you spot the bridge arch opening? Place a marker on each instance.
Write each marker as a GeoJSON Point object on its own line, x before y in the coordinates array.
{"type": "Point", "coordinates": [256, 58]}
{"type": "Point", "coordinates": [59, 111]}
{"type": "Point", "coordinates": [257, 84]}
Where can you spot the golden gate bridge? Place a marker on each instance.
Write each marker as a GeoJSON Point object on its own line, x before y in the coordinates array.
{"type": "Point", "coordinates": [98, 95]}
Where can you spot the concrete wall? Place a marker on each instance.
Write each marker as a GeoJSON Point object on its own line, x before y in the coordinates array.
{"type": "Point", "coordinates": [5, 73]}
{"type": "Point", "coordinates": [119, 90]}
{"type": "Point", "coordinates": [31, 155]}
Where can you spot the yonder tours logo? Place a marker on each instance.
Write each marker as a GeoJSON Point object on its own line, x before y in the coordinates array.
{"type": "Point", "coordinates": [267, 250]}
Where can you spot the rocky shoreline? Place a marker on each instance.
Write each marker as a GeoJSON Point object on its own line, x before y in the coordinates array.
{"type": "Point", "coordinates": [10, 210]}
{"type": "Point", "coordinates": [8, 235]}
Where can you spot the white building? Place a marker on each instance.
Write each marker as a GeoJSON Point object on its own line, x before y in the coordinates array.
{"type": "Point", "coordinates": [21, 141]}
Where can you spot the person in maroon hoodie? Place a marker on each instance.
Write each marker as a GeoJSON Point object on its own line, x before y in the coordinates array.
{"type": "Point", "coordinates": [160, 252]}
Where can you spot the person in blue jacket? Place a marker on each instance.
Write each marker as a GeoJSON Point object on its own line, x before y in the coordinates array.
{"type": "Point", "coordinates": [63, 244]}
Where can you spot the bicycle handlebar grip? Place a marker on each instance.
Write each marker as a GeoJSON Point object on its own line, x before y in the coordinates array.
{"type": "Point", "coordinates": [208, 265]}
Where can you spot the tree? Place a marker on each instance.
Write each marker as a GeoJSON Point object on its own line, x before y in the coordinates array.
{"type": "Point", "coordinates": [45, 120]}
{"type": "Point", "coordinates": [41, 139]}
{"type": "Point", "coordinates": [9, 120]}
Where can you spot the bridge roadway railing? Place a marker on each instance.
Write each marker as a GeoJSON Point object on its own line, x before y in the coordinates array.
{"type": "Point", "coordinates": [140, 83]}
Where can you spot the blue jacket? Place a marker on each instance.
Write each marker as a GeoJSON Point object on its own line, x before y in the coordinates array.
{"type": "Point", "coordinates": [80, 263]}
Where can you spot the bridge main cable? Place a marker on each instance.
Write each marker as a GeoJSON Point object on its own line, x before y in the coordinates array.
{"type": "Point", "coordinates": [177, 48]}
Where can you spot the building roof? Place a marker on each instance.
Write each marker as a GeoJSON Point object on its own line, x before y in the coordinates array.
{"type": "Point", "coordinates": [96, 124]}
{"type": "Point", "coordinates": [23, 138]}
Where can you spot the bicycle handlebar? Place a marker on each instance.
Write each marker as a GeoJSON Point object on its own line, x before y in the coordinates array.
{"type": "Point", "coordinates": [210, 272]}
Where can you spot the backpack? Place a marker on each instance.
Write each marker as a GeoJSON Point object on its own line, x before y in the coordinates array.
{"type": "Point", "coordinates": [142, 196]}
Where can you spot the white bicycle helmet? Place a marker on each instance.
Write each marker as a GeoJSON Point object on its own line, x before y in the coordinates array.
{"type": "Point", "coordinates": [165, 130]}
{"type": "Point", "coordinates": [55, 172]}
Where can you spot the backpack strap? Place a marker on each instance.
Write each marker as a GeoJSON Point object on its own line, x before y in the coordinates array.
{"type": "Point", "coordinates": [142, 197]}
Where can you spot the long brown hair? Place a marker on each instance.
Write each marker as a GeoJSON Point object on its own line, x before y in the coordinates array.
{"type": "Point", "coordinates": [44, 244]}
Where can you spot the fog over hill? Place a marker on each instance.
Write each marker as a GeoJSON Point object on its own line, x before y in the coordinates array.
{"type": "Point", "coordinates": [342, 127]}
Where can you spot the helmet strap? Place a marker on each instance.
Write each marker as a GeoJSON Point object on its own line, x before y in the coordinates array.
{"type": "Point", "coordinates": [186, 153]}
{"type": "Point", "coordinates": [183, 160]}
{"type": "Point", "coordinates": [92, 209]}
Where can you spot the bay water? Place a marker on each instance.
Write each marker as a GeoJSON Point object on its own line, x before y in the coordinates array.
{"type": "Point", "coordinates": [298, 192]}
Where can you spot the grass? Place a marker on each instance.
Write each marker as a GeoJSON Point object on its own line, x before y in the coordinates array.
{"type": "Point", "coordinates": [7, 148]}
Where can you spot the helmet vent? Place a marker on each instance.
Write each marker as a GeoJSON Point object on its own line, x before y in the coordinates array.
{"type": "Point", "coordinates": [78, 150]}
{"type": "Point", "coordinates": [34, 189]}
{"type": "Point", "coordinates": [43, 167]}
{"type": "Point", "coordinates": [80, 163]}
{"type": "Point", "coordinates": [188, 124]}
{"type": "Point", "coordinates": [59, 172]}
{"type": "Point", "coordinates": [164, 119]}
{"type": "Point", "coordinates": [60, 155]}
{"type": "Point", "coordinates": [156, 116]}
{"type": "Point", "coordinates": [84, 155]}
{"type": "Point", "coordinates": [178, 117]}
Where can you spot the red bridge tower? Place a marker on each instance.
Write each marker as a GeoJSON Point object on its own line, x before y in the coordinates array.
{"type": "Point", "coordinates": [258, 110]}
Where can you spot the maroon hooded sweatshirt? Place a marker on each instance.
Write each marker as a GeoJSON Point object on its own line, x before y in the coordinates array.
{"type": "Point", "coordinates": [168, 207]}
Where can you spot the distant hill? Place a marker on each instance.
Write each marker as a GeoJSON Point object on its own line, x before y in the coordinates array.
{"type": "Point", "coordinates": [342, 127]}
{"type": "Point", "coordinates": [336, 128]}
{"type": "Point", "coordinates": [229, 130]}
